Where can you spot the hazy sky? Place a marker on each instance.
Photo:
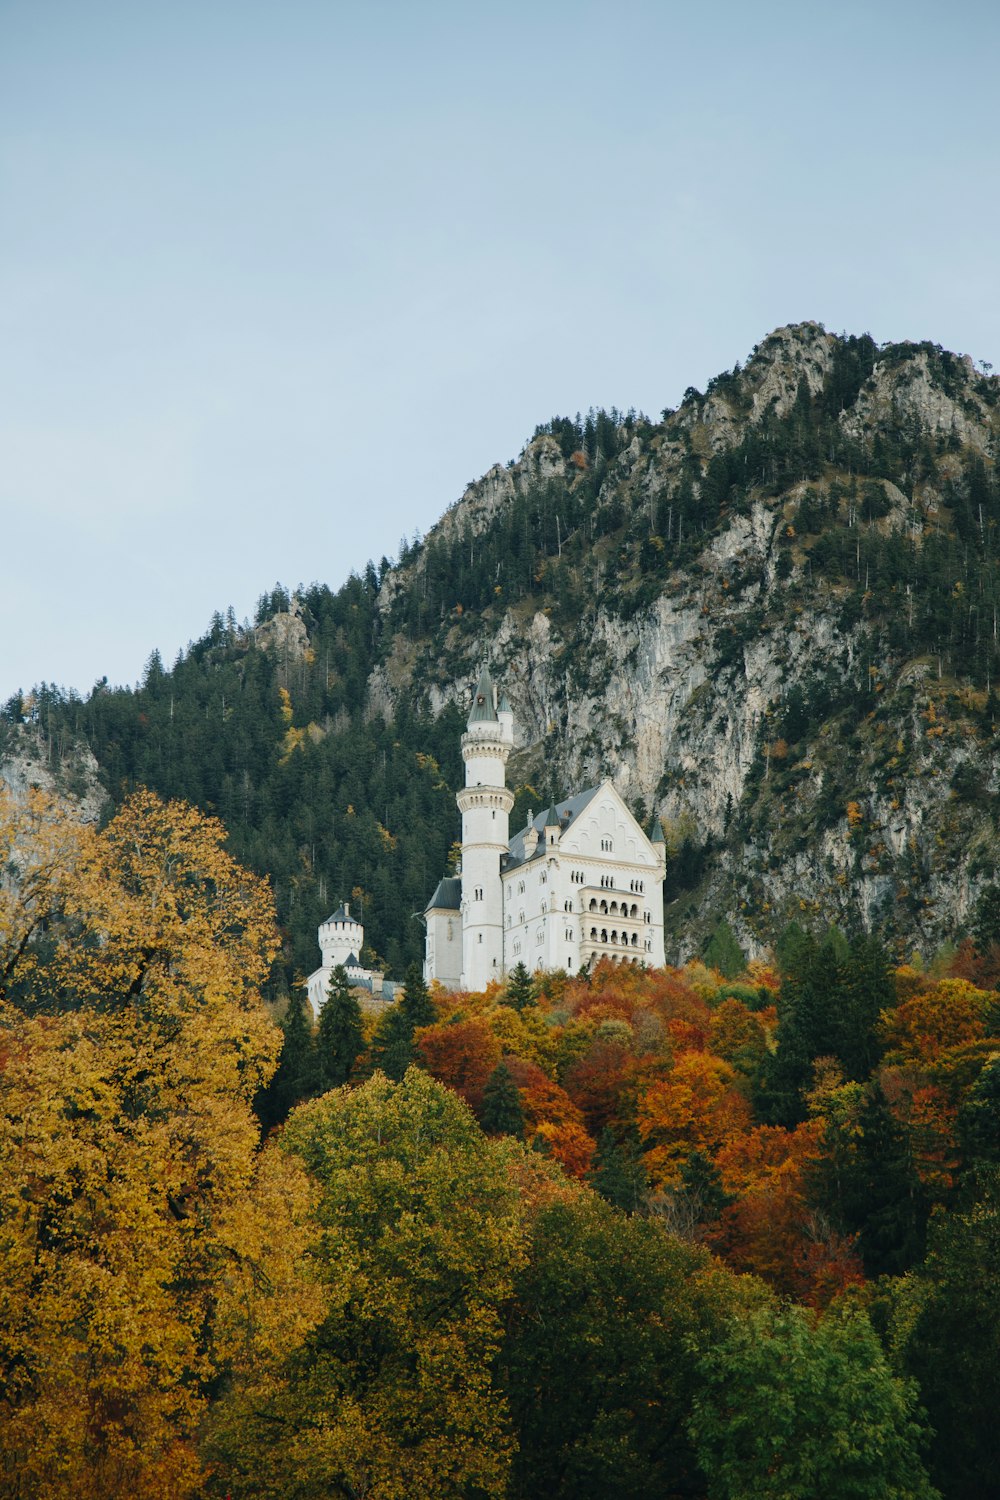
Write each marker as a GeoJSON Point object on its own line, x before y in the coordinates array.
{"type": "Point", "coordinates": [277, 280]}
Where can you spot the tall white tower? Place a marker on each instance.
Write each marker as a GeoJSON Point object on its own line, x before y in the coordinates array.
{"type": "Point", "coordinates": [485, 803]}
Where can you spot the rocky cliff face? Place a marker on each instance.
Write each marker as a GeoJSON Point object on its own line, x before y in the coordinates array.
{"type": "Point", "coordinates": [29, 758]}
{"type": "Point", "coordinates": [877, 803]}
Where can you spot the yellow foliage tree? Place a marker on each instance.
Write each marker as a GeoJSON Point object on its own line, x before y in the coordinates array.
{"type": "Point", "coordinates": [147, 1247]}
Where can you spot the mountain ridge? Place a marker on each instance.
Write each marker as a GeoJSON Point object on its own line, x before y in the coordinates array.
{"type": "Point", "coordinates": [737, 612]}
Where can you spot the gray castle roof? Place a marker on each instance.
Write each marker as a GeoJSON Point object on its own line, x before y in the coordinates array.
{"type": "Point", "coordinates": [448, 896]}
{"type": "Point", "coordinates": [483, 711]}
{"type": "Point", "coordinates": [342, 915]}
{"type": "Point", "coordinates": [565, 812]}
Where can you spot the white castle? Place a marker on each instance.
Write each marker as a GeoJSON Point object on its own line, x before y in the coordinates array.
{"type": "Point", "coordinates": [578, 883]}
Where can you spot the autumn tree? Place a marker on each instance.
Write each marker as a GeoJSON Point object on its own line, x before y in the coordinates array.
{"type": "Point", "coordinates": [149, 1250]}
{"type": "Point", "coordinates": [462, 1054]}
{"type": "Point", "coordinates": [695, 1106]}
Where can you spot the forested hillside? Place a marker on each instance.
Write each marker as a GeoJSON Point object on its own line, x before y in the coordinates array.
{"type": "Point", "coordinates": [631, 1235]}
{"type": "Point", "coordinates": [770, 615]}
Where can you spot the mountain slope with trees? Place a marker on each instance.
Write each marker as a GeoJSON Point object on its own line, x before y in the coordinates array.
{"type": "Point", "coordinates": [770, 615]}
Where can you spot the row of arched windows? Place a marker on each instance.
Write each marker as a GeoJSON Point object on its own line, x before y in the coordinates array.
{"type": "Point", "coordinates": [613, 910]}
{"type": "Point", "coordinates": [622, 940]}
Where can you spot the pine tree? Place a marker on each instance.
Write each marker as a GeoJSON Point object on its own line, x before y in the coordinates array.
{"type": "Point", "coordinates": [618, 1173]}
{"type": "Point", "coordinates": [341, 1032]}
{"type": "Point", "coordinates": [502, 1113]}
{"type": "Point", "coordinates": [416, 1004]}
{"type": "Point", "coordinates": [297, 1075]}
{"type": "Point", "coordinates": [520, 987]}
{"type": "Point", "coordinates": [392, 1044]}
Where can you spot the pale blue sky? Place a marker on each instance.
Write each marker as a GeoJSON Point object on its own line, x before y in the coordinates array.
{"type": "Point", "coordinates": [277, 280]}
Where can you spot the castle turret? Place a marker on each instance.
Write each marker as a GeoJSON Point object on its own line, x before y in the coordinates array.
{"type": "Point", "coordinates": [485, 803]}
{"type": "Point", "coordinates": [340, 936]}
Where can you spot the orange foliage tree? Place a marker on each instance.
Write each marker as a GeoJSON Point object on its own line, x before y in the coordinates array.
{"type": "Point", "coordinates": [462, 1055]}
{"type": "Point", "coordinates": [696, 1106]}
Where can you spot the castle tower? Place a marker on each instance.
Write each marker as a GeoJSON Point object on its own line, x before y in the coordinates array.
{"type": "Point", "coordinates": [485, 803]}
{"type": "Point", "coordinates": [340, 936]}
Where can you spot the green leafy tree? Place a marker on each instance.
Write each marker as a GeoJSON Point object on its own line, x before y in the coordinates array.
{"type": "Point", "coordinates": [392, 1044]}
{"type": "Point", "coordinates": [340, 1036]}
{"type": "Point", "coordinates": [393, 1395]}
{"type": "Point", "coordinates": [947, 1325]}
{"type": "Point", "coordinates": [792, 1409]}
{"type": "Point", "coordinates": [600, 1362]}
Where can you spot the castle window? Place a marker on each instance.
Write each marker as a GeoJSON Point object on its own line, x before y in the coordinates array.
{"type": "Point", "coordinates": [479, 938]}
{"type": "Point", "coordinates": [567, 906]}
{"type": "Point", "coordinates": [520, 887]}
{"type": "Point", "coordinates": [478, 893]}
{"type": "Point", "coordinates": [545, 906]}
{"type": "Point", "coordinates": [542, 878]}
{"type": "Point", "coordinates": [540, 935]}
{"type": "Point", "coordinates": [593, 903]}
{"type": "Point", "coordinates": [569, 934]}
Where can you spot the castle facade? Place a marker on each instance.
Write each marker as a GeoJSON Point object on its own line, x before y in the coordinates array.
{"type": "Point", "coordinates": [579, 882]}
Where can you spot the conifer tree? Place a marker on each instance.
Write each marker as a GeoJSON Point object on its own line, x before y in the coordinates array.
{"type": "Point", "coordinates": [341, 1032]}
{"type": "Point", "coordinates": [520, 987]}
{"type": "Point", "coordinates": [618, 1173]}
{"type": "Point", "coordinates": [416, 1004]}
{"type": "Point", "coordinates": [502, 1113]}
{"type": "Point", "coordinates": [297, 1076]}
{"type": "Point", "coordinates": [392, 1044]}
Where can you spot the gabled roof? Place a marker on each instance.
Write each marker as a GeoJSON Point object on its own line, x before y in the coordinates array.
{"type": "Point", "coordinates": [483, 711]}
{"type": "Point", "coordinates": [448, 896]}
{"type": "Point", "coordinates": [565, 813]}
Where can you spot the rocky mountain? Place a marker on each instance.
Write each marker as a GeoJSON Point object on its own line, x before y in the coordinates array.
{"type": "Point", "coordinates": [770, 616]}
{"type": "Point", "coordinates": [779, 634]}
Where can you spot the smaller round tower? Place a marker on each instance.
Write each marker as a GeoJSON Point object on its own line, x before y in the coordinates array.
{"type": "Point", "coordinates": [341, 937]}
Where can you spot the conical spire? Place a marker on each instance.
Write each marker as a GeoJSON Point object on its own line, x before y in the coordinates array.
{"type": "Point", "coordinates": [552, 817]}
{"type": "Point", "coordinates": [504, 705]}
{"type": "Point", "coordinates": [483, 711]}
{"type": "Point", "coordinates": [656, 833]}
